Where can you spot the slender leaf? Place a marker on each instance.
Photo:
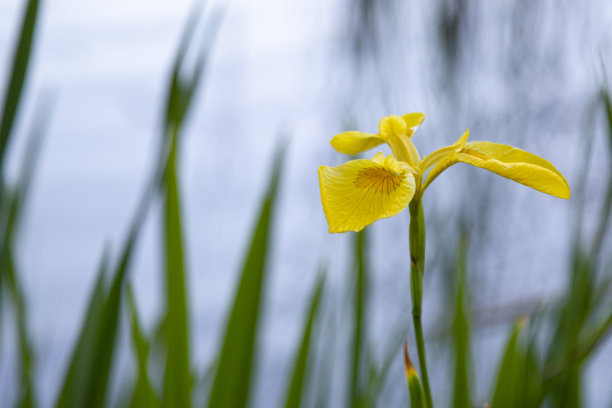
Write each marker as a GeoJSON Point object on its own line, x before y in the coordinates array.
{"type": "Point", "coordinates": [27, 394]}
{"type": "Point", "coordinates": [11, 222]}
{"type": "Point", "coordinates": [93, 372]}
{"type": "Point", "coordinates": [236, 358]}
{"type": "Point", "coordinates": [144, 396]}
{"type": "Point", "coordinates": [78, 375]}
{"type": "Point", "coordinates": [294, 397]}
{"type": "Point", "coordinates": [510, 373]}
{"type": "Point", "coordinates": [21, 59]}
{"type": "Point", "coordinates": [177, 377]}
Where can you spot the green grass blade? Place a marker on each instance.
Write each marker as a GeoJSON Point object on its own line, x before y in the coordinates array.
{"type": "Point", "coordinates": [356, 363]}
{"type": "Point", "coordinates": [603, 226]}
{"type": "Point", "coordinates": [294, 397]}
{"type": "Point", "coordinates": [21, 60]}
{"type": "Point", "coordinates": [177, 377]}
{"type": "Point", "coordinates": [144, 396]}
{"type": "Point", "coordinates": [109, 324]}
{"type": "Point", "coordinates": [461, 333]}
{"type": "Point", "coordinates": [27, 395]}
{"type": "Point", "coordinates": [78, 375]}
{"type": "Point", "coordinates": [182, 85]}
{"type": "Point", "coordinates": [510, 373]}
{"type": "Point", "coordinates": [236, 358]}
{"type": "Point", "coordinates": [15, 203]}
{"type": "Point", "coordinates": [327, 342]}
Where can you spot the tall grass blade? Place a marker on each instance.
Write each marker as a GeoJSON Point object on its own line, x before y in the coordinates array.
{"type": "Point", "coordinates": [236, 358]}
{"type": "Point", "coordinates": [356, 363]}
{"type": "Point", "coordinates": [294, 398]}
{"type": "Point", "coordinates": [177, 377]}
{"type": "Point", "coordinates": [73, 393]}
{"type": "Point", "coordinates": [27, 394]}
{"type": "Point", "coordinates": [88, 383]}
{"type": "Point", "coordinates": [11, 222]}
{"type": "Point", "coordinates": [143, 396]}
{"type": "Point", "coordinates": [510, 373]}
{"type": "Point", "coordinates": [182, 86]}
{"type": "Point", "coordinates": [604, 220]}
{"type": "Point", "coordinates": [21, 59]}
{"type": "Point", "coordinates": [106, 340]}
{"type": "Point", "coordinates": [461, 332]}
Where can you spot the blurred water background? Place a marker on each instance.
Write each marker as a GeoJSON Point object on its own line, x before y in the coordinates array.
{"type": "Point", "coordinates": [525, 73]}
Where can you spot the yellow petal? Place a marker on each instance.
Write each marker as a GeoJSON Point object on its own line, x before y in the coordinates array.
{"type": "Point", "coordinates": [413, 120]}
{"type": "Point", "coordinates": [359, 192]}
{"type": "Point", "coordinates": [354, 142]}
{"type": "Point", "coordinates": [509, 162]}
{"type": "Point", "coordinates": [394, 130]}
{"type": "Point", "coordinates": [516, 164]}
{"type": "Point", "coordinates": [440, 154]}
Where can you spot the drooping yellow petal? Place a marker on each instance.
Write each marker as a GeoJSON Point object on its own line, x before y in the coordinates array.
{"type": "Point", "coordinates": [354, 142]}
{"type": "Point", "coordinates": [516, 164]}
{"type": "Point", "coordinates": [359, 192]}
{"type": "Point", "coordinates": [509, 162]}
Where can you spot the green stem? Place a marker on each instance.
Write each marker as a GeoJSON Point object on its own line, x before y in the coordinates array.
{"type": "Point", "coordinates": [417, 268]}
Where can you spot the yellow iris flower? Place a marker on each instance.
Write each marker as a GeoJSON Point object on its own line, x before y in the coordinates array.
{"type": "Point", "coordinates": [359, 192]}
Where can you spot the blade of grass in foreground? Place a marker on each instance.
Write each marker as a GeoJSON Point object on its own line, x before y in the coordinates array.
{"type": "Point", "coordinates": [27, 395]}
{"type": "Point", "coordinates": [88, 385]}
{"type": "Point", "coordinates": [233, 378]}
{"type": "Point", "coordinates": [16, 203]}
{"type": "Point", "coordinates": [21, 60]}
{"type": "Point", "coordinates": [144, 395]}
{"type": "Point", "coordinates": [177, 377]}
{"type": "Point", "coordinates": [294, 397]}
{"type": "Point", "coordinates": [73, 392]}
{"type": "Point", "coordinates": [510, 372]}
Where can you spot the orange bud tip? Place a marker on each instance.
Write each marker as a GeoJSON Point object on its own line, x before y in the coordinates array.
{"type": "Point", "coordinates": [410, 371]}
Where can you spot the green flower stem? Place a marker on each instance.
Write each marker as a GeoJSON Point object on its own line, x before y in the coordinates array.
{"type": "Point", "coordinates": [417, 267]}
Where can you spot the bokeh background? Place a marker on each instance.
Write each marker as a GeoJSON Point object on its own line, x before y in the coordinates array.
{"type": "Point", "coordinates": [525, 73]}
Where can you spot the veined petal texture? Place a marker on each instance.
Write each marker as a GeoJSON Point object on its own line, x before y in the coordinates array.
{"type": "Point", "coordinates": [359, 192]}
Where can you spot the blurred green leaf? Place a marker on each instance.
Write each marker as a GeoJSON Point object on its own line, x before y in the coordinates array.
{"type": "Point", "coordinates": [510, 373]}
{"type": "Point", "coordinates": [78, 375]}
{"type": "Point", "coordinates": [236, 358]}
{"type": "Point", "coordinates": [27, 395]}
{"type": "Point", "coordinates": [182, 85]}
{"type": "Point", "coordinates": [12, 211]}
{"type": "Point", "coordinates": [21, 60]}
{"type": "Point", "coordinates": [461, 332]}
{"type": "Point", "coordinates": [143, 396]}
{"type": "Point", "coordinates": [294, 397]}
{"type": "Point", "coordinates": [177, 377]}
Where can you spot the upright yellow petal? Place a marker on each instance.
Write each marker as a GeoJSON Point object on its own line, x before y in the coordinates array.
{"type": "Point", "coordinates": [441, 159]}
{"type": "Point", "coordinates": [359, 192]}
{"type": "Point", "coordinates": [395, 131]}
{"type": "Point", "coordinates": [509, 162]}
{"type": "Point", "coordinates": [354, 142]}
{"type": "Point", "coordinates": [413, 120]}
